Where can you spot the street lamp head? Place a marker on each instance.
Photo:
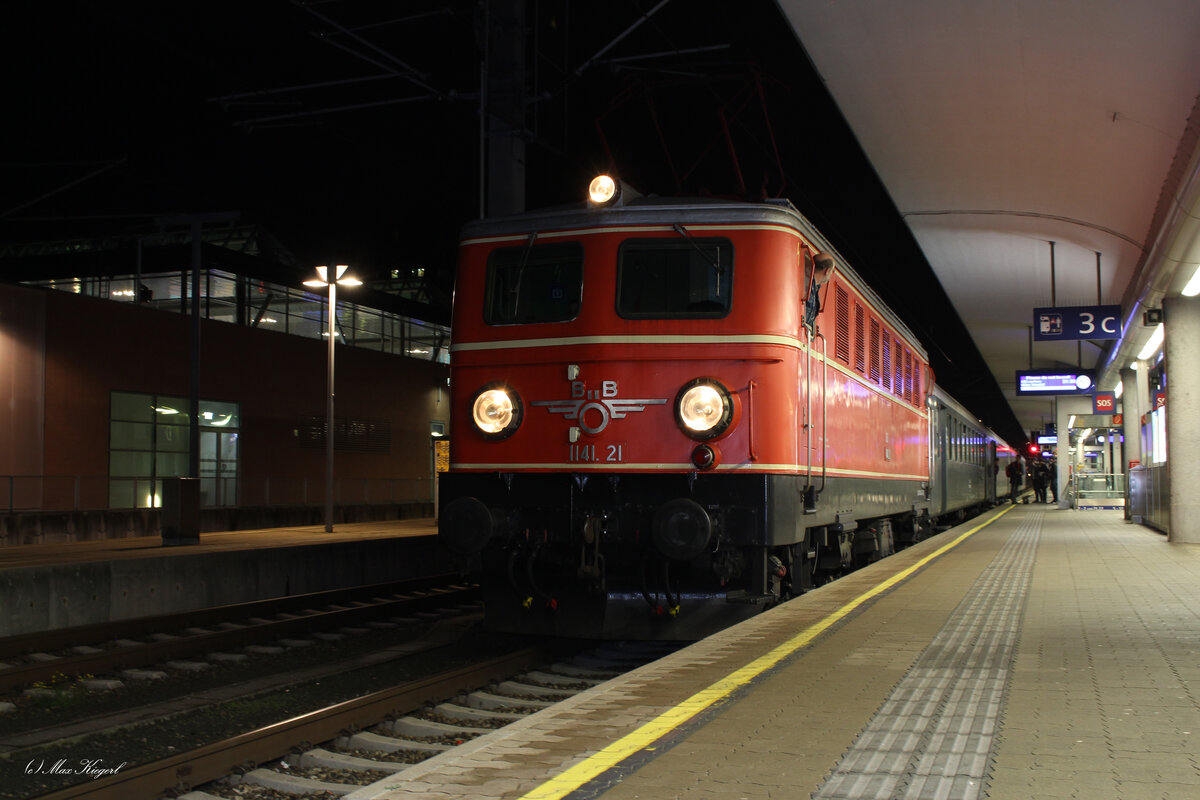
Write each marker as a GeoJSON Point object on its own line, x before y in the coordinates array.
{"type": "Point", "coordinates": [339, 276]}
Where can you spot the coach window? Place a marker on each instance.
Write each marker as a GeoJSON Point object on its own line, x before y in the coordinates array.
{"type": "Point", "coordinates": [534, 283]}
{"type": "Point", "coordinates": [674, 278]}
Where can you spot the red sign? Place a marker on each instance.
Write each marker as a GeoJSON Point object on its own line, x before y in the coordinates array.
{"type": "Point", "coordinates": [1160, 400]}
{"type": "Point", "coordinates": [1134, 463]}
{"type": "Point", "coordinates": [1118, 419]}
{"type": "Point", "coordinates": [1104, 403]}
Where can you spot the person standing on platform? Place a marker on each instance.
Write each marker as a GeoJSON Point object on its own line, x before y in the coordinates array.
{"type": "Point", "coordinates": [1040, 476]}
{"type": "Point", "coordinates": [1016, 474]}
{"type": "Point", "coordinates": [1052, 470]}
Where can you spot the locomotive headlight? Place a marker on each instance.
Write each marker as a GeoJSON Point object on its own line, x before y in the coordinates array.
{"type": "Point", "coordinates": [704, 409]}
{"type": "Point", "coordinates": [602, 190]}
{"type": "Point", "coordinates": [496, 411]}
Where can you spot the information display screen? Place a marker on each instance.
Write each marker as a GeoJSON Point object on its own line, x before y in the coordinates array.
{"type": "Point", "coordinates": [1046, 382]}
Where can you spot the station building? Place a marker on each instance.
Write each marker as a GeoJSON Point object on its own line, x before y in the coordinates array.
{"type": "Point", "coordinates": [97, 350]}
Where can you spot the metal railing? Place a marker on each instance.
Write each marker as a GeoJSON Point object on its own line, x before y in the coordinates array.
{"type": "Point", "coordinates": [1098, 490]}
{"type": "Point", "coordinates": [26, 493]}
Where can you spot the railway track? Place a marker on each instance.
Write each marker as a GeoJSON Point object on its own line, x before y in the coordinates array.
{"type": "Point", "coordinates": [128, 644]}
{"type": "Point", "coordinates": [375, 736]}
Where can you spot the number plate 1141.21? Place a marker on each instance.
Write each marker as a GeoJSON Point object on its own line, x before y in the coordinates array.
{"type": "Point", "coordinates": [592, 453]}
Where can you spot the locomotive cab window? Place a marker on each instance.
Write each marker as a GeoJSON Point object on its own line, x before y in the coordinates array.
{"type": "Point", "coordinates": [534, 283]}
{"type": "Point", "coordinates": [674, 278]}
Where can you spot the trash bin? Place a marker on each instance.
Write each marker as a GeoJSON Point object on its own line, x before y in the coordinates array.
{"type": "Point", "coordinates": [181, 511]}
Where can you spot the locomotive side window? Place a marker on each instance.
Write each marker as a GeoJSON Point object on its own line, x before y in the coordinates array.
{"type": "Point", "coordinates": [534, 283]}
{"type": "Point", "coordinates": [674, 278]}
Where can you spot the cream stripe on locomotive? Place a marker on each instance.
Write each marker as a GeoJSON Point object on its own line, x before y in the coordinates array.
{"type": "Point", "coordinates": [786, 341]}
{"type": "Point", "coordinates": [568, 341]}
{"type": "Point", "coordinates": [687, 466]}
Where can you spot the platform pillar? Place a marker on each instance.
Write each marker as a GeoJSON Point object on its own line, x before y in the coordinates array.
{"type": "Point", "coordinates": [1065, 407]}
{"type": "Point", "coordinates": [1133, 400]}
{"type": "Point", "coordinates": [1182, 348]}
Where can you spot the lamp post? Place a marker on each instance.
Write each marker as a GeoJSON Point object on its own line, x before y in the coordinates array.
{"type": "Point", "coordinates": [331, 282]}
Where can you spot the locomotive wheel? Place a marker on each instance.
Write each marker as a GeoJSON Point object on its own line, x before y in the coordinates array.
{"type": "Point", "coordinates": [682, 529]}
{"type": "Point", "coordinates": [464, 526]}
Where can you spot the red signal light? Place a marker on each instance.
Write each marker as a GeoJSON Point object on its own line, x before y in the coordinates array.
{"type": "Point", "coordinates": [1033, 449]}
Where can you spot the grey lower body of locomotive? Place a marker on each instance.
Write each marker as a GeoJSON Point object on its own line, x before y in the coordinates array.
{"type": "Point", "coordinates": [665, 555]}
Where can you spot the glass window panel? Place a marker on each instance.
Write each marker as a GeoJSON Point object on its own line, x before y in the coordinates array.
{"type": "Point", "coordinates": [218, 415]}
{"type": "Point", "coordinates": [208, 446]}
{"type": "Point", "coordinates": [168, 465]}
{"type": "Point", "coordinates": [126, 463]}
{"type": "Point", "coordinates": [131, 436]}
{"type": "Point", "coordinates": [121, 290]}
{"type": "Point", "coordinates": [120, 494]}
{"type": "Point", "coordinates": [221, 288]}
{"type": "Point", "coordinates": [134, 407]}
{"type": "Point", "coordinates": [229, 446]}
{"type": "Point", "coordinates": [274, 316]}
{"type": "Point", "coordinates": [306, 324]}
{"type": "Point", "coordinates": [369, 329]}
{"type": "Point", "coordinates": [172, 410]}
{"type": "Point", "coordinates": [208, 491]}
{"type": "Point", "coordinates": [172, 438]}
{"type": "Point", "coordinates": [228, 490]}
{"type": "Point", "coordinates": [149, 494]}
{"type": "Point", "coordinates": [222, 311]}
{"type": "Point", "coordinates": [161, 288]}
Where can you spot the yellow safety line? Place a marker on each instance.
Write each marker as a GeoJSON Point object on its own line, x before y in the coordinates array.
{"type": "Point", "coordinates": [575, 777]}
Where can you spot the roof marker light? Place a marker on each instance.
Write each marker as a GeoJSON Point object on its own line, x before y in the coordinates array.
{"type": "Point", "coordinates": [603, 190]}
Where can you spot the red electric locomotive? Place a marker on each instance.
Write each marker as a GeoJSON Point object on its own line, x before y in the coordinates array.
{"type": "Point", "coordinates": [670, 413]}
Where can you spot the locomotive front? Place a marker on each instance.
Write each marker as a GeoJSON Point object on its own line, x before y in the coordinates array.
{"type": "Point", "coordinates": [612, 445]}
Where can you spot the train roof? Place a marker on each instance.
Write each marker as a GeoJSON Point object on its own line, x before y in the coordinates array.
{"type": "Point", "coordinates": [946, 400]}
{"type": "Point", "coordinates": [655, 210]}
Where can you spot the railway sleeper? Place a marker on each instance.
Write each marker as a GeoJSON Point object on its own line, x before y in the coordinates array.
{"type": "Point", "coordinates": [538, 686]}
{"type": "Point", "coordinates": [412, 726]}
{"type": "Point", "coordinates": [489, 701]}
{"type": "Point", "coordinates": [366, 740]}
{"type": "Point", "coordinates": [320, 757]}
{"type": "Point", "coordinates": [464, 712]}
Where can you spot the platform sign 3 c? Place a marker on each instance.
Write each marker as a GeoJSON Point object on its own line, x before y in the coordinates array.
{"type": "Point", "coordinates": [1063, 323]}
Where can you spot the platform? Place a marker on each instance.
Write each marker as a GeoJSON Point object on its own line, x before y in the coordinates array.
{"type": "Point", "coordinates": [1032, 653]}
{"type": "Point", "coordinates": [48, 586]}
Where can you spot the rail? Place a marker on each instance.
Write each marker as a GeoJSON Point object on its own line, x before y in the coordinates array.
{"type": "Point", "coordinates": [292, 616]}
{"type": "Point", "coordinates": [211, 761]}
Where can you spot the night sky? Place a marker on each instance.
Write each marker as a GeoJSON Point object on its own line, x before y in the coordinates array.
{"type": "Point", "coordinates": [120, 112]}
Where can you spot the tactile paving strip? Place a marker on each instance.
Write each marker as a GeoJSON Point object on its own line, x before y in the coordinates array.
{"type": "Point", "coordinates": [933, 736]}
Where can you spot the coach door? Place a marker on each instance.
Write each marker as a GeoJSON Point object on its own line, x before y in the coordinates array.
{"type": "Point", "coordinates": [991, 472]}
{"type": "Point", "coordinates": [939, 445]}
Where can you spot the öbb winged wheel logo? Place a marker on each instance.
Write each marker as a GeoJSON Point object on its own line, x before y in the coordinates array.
{"type": "Point", "coordinates": [594, 408]}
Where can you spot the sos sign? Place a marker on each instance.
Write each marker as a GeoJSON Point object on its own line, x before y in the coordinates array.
{"type": "Point", "coordinates": [1063, 323]}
